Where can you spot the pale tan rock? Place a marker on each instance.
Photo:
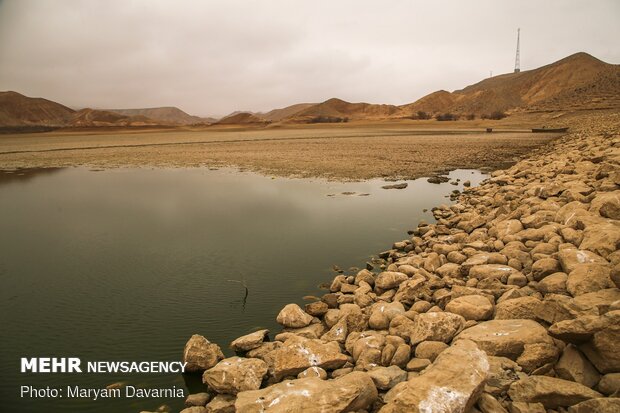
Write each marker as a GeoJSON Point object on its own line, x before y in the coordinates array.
{"type": "Point", "coordinates": [603, 350]}
{"type": "Point", "coordinates": [588, 278]}
{"type": "Point", "coordinates": [471, 307]}
{"type": "Point", "coordinates": [452, 384]}
{"type": "Point", "coordinates": [495, 271]}
{"type": "Point", "coordinates": [436, 326]}
{"type": "Point", "coordinates": [517, 308]}
{"type": "Point", "coordinates": [387, 377]}
{"type": "Point", "coordinates": [553, 284]}
{"type": "Point", "coordinates": [571, 257]}
{"type": "Point", "coordinates": [221, 403]}
{"type": "Point", "coordinates": [249, 341]}
{"type": "Point", "coordinates": [574, 366]}
{"type": "Point", "coordinates": [390, 279]}
{"type": "Point", "coordinates": [200, 354]}
{"type": "Point", "coordinates": [293, 316]}
{"type": "Point", "coordinates": [609, 384]}
{"type": "Point", "coordinates": [197, 399]}
{"type": "Point", "coordinates": [489, 404]}
{"type": "Point", "coordinates": [605, 405]}
{"type": "Point", "coordinates": [430, 349]}
{"type": "Point", "coordinates": [352, 392]}
{"type": "Point", "coordinates": [297, 354]}
{"type": "Point", "coordinates": [550, 391]}
{"type": "Point", "coordinates": [235, 374]}
{"type": "Point", "coordinates": [382, 313]}
{"type": "Point", "coordinates": [506, 338]}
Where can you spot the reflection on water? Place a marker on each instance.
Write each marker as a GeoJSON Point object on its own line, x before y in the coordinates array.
{"type": "Point", "coordinates": [127, 264]}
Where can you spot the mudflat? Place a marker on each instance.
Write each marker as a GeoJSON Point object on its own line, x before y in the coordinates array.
{"type": "Point", "coordinates": [340, 152]}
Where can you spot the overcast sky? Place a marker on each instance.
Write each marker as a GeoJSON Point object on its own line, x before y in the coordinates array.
{"type": "Point", "coordinates": [214, 57]}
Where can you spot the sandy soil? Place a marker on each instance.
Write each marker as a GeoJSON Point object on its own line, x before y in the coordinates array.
{"type": "Point", "coordinates": [344, 152]}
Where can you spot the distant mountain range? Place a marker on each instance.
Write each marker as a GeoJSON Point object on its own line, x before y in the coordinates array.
{"type": "Point", "coordinates": [577, 82]}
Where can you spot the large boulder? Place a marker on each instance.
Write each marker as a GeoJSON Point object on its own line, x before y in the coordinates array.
{"type": "Point", "coordinates": [517, 308]}
{"type": "Point", "coordinates": [603, 350]}
{"type": "Point", "coordinates": [298, 353]}
{"type": "Point", "coordinates": [574, 366]}
{"type": "Point", "coordinates": [550, 391]}
{"type": "Point", "coordinates": [524, 341]}
{"type": "Point", "coordinates": [571, 257]}
{"type": "Point", "coordinates": [352, 392]}
{"type": "Point", "coordinates": [390, 279]}
{"type": "Point", "coordinates": [200, 354]}
{"type": "Point", "coordinates": [292, 316]}
{"type": "Point", "coordinates": [471, 307]}
{"type": "Point", "coordinates": [382, 313]}
{"type": "Point", "coordinates": [235, 374]}
{"type": "Point", "coordinates": [452, 383]}
{"type": "Point", "coordinates": [436, 326]}
{"type": "Point", "coordinates": [588, 278]}
{"type": "Point", "coordinates": [387, 377]}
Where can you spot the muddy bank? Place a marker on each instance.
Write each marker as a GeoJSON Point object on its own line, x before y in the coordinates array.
{"type": "Point", "coordinates": [510, 302]}
{"type": "Point", "coordinates": [391, 151]}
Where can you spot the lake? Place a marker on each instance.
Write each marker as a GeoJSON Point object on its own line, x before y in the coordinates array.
{"type": "Point", "coordinates": [127, 264]}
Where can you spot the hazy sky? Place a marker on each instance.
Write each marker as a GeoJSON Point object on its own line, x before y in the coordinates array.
{"type": "Point", "coordinates": [213, 57]}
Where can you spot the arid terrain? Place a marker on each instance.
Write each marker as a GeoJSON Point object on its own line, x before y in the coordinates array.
{"type": "Point", "coordinates": [391, 150]}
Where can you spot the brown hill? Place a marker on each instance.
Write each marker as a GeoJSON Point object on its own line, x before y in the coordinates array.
{"type": "Point", "coordinates": [94, 118]}
{"type": "Point", "coordinates": [579, 81]}
{"type": "Point", "coordinates": [277, 115]}
{"type": "Point", "coordinates": [242, 118]}
{"type": "Point", "coordinates": [164, 115]}
{"type": "Point", "coordinates": [337, 110]}
{"type": "Point", "coordinates": [19, 110]}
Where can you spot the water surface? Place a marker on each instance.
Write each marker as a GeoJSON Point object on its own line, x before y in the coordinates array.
{"type": "Point", "coordinates": [127, 264]}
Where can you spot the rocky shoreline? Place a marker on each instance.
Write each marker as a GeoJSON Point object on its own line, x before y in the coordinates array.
{"type": "Point", "coordinates": [508, 303]}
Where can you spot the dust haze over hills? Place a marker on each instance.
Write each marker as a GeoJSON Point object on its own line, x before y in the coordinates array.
{"type": "Point", "coordinates": [577, 82]}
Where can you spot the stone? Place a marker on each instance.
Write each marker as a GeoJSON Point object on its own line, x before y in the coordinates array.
{"type": "Point", "coordinates": [390, 279]}
{"type": "Point", "coordinates": [553, 284]}
{"type": "Point", "coordinates": [523, 407]}
{"type": "Point", "coordinates": [574, 366]}
{"type": "Point", "coordinates": [578, 330]}
{"type": "Point", "coordinates": [571, 257]}
{"type": "Point", "coordinates": [297, 354]}
{"type": "Point", "coordinates": [588, 278]}
{"type": "Point", "coordinates": [608, 405]}
{"type": "Point", "coordinates": [452, 384]}
{"type": "Point", "coordinates": [502, 373]}
{"type": "Point", "coordinates": [517, 308]}
{"type": "Point", "coordinates": [382, 313]}
{"type": "Point", "coordinates": [221, 403]}
{"type": "Point", "coordinates": [416, 364]}
{"type": "Point", "coordinates": [545, 267]}
{"type": "Point", "coordinates": [235, 374]}
{"type": "Point", "coordinates": [338, 332]}
{"type": "Point", "coordinates": [249, 341]}
{"type": "Point", "coordinates": [489, 404]}
{"type": "Point", "coordinates": [412, 289]}
{"type": "Point", "coordinates": [504, 228]}
{"type": "Point", "coordinates": [495, 271]}
{"type": "Point", "coordinates": [317, 308]}
{"type": "Point", "coordinates": [506, 338]}
{"type": "Point", "coordinates": [603, 350]}
{"type": "Point", "coordinates": [313, 372]}
{"type": "Point", "coordinates": [193, 409]}
{"type": "Point", "coordinates": [537, 355]}
{"type": "Point", "coordinates": [436, 326]}
{"type": "Point", "coordinates": [293, 316]}
{"type": "Point", "coordinates": [602, 239]}
{"type": "Point", "coordinates": [197, 399]}
{"type": "Point", "coordinates": [200, 354]}
{"type": "Point", "coordinates": [609, 384]}
{"type": "Point", "coordinates": [430, 349]}
{"type": "Point", "coordinates": [401, 356]}
{"type": "Point", "coordinates": [607, 204]}
{"type": "Point", "coordinates": [387, 377]}
{"type": "Point", "coordinates": [556, 307]}
{"type": "Point", "coordinates": [550, 391]}
{"type": "Point", "coordinates": [471, 307]}
{"type": "Point", "coordinates": [351, 392]}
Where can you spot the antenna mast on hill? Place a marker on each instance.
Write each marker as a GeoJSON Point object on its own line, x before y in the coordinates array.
{"type": "Point", "coordinates": [517, 59]}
